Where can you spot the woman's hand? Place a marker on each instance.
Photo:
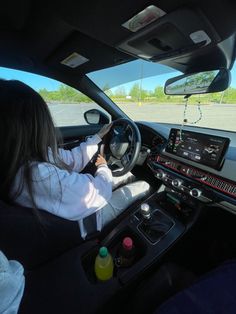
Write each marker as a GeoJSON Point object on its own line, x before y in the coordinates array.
{"type": "Point", "coordinates": [100, 161]}
{"type": "Point", "coordinates": [104, 130]}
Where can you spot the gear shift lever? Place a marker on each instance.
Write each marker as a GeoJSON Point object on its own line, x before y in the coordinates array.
{"type": "Point", "coordinates": [154, 225]}
{"type": "Point", "coordinates": [145, 211]}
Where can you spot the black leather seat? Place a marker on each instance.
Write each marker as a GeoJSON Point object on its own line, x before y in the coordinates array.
{"type": "Point", "coordinates": [24, 238]}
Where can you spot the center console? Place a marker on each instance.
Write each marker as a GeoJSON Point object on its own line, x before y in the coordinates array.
{"type": "Point", "coordinates": [189, 167]}
{"type": "Point", "coordinates": [153, 230]}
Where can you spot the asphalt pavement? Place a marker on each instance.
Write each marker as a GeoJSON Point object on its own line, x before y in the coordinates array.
{"type": "Point", "coordinates": [222, 116]}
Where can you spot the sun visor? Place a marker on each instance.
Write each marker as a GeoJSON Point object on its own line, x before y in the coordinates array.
{"type": "Point", "coordinates": [175, 33]}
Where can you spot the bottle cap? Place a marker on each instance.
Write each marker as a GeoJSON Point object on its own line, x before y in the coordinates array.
{"type": "Point", "coordinates": [127, 243]}
{"type": "Point", "coordinates": [103, 251]}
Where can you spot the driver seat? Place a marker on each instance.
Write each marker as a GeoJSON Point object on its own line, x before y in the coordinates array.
{"type": "Point", "coordinates": [32, 242]}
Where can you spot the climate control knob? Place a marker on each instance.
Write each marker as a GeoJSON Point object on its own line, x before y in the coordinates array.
{"type": "Point", "coordinates": [177, 183]}
{"type": "Point", "coordinates": [195, 192]}
{"type": "Point", "coordinates": [160, 174]}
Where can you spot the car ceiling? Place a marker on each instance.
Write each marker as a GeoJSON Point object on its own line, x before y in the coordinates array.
{"type": "Point", "coordinates": [36, 36]}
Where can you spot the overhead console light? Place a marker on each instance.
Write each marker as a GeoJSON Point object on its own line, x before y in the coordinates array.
{"type": "Point", "coordinates": [74, 60]}
{"type": "Point", "coordinates": [199, 37]}
{"type": "Point", "coordinates": [144, 56]}
{"type": "Point", "coordinates": [143, 18]}
{"type": "Point", "coordinates": [174, 34]}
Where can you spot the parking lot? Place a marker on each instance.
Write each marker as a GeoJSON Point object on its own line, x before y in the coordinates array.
{"type": "Point", "coordinates": [222, 116]}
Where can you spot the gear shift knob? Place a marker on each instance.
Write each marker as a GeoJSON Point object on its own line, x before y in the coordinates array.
{"type": "Point", "coordinates": [145, 211]}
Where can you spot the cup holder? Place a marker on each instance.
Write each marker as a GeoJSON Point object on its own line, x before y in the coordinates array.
{"type": "Point", "coordinates": [113, 246]}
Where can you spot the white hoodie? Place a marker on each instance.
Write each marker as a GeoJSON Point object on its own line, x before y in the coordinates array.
{"type": "Point", "coordinates": [69, 195]}
{"type": "Point", "coordinates": [12, 283]}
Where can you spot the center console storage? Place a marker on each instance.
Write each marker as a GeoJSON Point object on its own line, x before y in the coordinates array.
{"type": "Point", "coordinates": [113, 247]}
{"type": "Point", "coordinates": [153, 232]}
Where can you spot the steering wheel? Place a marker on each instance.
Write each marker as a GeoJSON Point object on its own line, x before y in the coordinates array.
{"type": "Point", "coordinates": [121, 146]}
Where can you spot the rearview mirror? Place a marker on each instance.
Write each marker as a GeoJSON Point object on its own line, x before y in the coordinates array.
{"type": "Point", "coordinates": [198, 83]}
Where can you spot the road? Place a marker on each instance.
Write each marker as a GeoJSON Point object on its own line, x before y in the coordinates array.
{"type": "Point", "coordinates": [222, 116]}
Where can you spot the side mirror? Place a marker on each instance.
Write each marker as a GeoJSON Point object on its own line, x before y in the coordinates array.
{"type": "Point", "coordinates": [198, 83]}
{"type": "Point", "coordinates": [95, 116]}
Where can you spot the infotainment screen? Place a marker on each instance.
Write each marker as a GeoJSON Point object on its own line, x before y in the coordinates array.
{"type": "Point", "coordinates": [202, 148]}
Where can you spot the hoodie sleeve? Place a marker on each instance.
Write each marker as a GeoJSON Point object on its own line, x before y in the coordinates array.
{"type": "Point", "coordinates": [12, 283]}
{"type": "Point", "coordinates": [83, 194]}
{"type": "Point", "coordinates": [78, 157]}
{"type": "Point", "coordinates": [69, 195]}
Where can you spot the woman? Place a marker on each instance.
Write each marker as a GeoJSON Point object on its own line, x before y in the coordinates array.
{"type": "Point", "coordinates": [36, 174]}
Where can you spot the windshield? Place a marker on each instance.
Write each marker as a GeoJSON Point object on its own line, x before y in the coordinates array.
{"type": "Point", "coordinates": [137, 88]}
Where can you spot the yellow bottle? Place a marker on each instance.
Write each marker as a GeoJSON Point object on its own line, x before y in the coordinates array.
{"type": "Point", "coordinates": [104, 265]}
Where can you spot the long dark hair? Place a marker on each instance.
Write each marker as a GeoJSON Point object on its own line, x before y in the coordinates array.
{"type": "Point", "coordinates": [26, 133]}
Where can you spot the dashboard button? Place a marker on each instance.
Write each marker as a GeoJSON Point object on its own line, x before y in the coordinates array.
{"type": "Point", "coordinates": [195, 192]}
{"type": "Point", "coordinates": [160, 174]}
{"type": "Point", "coordinates": [177, 183]}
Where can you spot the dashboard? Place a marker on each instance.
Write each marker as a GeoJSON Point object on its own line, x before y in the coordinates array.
{"type": "Point", "coordinates": [197, 164]}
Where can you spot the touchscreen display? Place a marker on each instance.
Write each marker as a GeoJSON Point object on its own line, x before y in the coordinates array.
{"type": "Point", "coordinates": [202, 148]}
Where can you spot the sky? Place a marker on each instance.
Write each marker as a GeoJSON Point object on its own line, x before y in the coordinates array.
{"type": "Point", "coordinates": [113, 76]}
{"type": "Point", "coordinates": [35, 81]}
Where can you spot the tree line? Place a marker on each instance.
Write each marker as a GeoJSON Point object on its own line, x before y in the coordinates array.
{"type": "Point", "coordinates": [66, 94]}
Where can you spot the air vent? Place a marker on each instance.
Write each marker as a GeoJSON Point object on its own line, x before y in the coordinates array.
{"type": "Point", "coordinates": [220, 184]}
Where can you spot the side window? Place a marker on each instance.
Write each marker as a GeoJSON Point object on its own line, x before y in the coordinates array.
{"type": "Point", "coordinates": [66, 104]}
{"type": "Point", "coordinates": [70, 107]}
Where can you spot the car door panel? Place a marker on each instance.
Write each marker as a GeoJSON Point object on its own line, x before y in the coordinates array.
{"type": "Point", "coordinates": [74, 135]}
